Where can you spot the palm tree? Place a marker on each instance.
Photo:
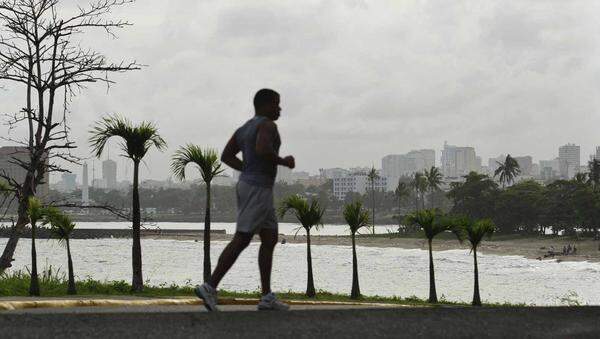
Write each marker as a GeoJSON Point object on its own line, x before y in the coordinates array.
{"type": "Point", "coordinates": [594, 175]}
{"type": "Point", "coordinates": [35, 211]}
{"type": "Point", "coordinates": [507, 171]}
{"type": "Point", "coordinates": [207, 162]}
{"type": "Point", "coordinates": [356, 217]}
{"type": "Point", "coordinates": [309, 216]}
{"type": "Point", "coordinates": [465, 228]}
{"type": "Point", "coordinates": [372, 176]}
{"type": "Point", "coordinates": [400, 193]}
{"type": "Point", "coordinates": [62, 227]}
{"type": "Point", "coordinates": [419, 184]}
{"type": "Point", "coordinates": [135, 143]}
{"type": "Point", "coordinates": [428, 221]}
{"type": "Point", "coordinates": [434, 180]}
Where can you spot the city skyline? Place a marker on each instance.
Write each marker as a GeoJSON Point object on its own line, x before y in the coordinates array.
{"type": "Point", "coordinates": [488, 76]}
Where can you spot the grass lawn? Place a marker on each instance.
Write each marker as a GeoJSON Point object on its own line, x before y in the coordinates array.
{"type": "Point", "coordinates": [53, 284]}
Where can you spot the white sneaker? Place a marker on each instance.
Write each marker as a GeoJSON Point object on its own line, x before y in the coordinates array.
{"type": "Point", "coordinates": [270, 302]}
{"type": "Point", "coordinates": [209, 295]}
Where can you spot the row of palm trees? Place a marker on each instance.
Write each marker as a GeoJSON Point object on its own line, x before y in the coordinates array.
{"type": "Point", "coordinates": [61, 227]}
{"type": "Point", "coordinates": [431, 221]}
{"type": "Point", "coordinates": [137, 140]}
{"type": "Point", "coordinates": [310, 215]}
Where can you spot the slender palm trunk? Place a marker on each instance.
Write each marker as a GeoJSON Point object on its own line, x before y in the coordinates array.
{"type": "Point", "coordinates": [137, 283]}
{"type": "Point", "coordinates": [207, 266]}
{"type": "Point", "coordinates": [432, 292]}
{"type": "Point", "coordinates": [22, 219]}
{"type": "Point", "coordinates": [417, 200]}
{"type": "Point", "coordinates": [310, 284]}
{"type": "Point", "coordinates": [431, 199]}
{"type": "Point", "coordinates": [34, 287]}
{"type": "Point", "coordinates": [355, 293]}
{"type": "Point", "coordinates": [71, 288]}
{"type": "Point", "coordinates": [373, 205]}
{"type": "Point", "coordinates": [476, 297]}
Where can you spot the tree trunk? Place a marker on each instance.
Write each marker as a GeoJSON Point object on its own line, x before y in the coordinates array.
{"type": "Point", "coordinates": [34, 287]}
{"type": "Point", "coordinates": [207, 266]}
{"type": "Point", "coordinates": [417, 201]}
{"type": "Point", "coordinates": [71, 288]}
{"type": "Point", "coordinates": [432, 292]}
{"type": "Point", "coordinates": [373, 205]}
{"type": "Point", "coordinates": [137, 283]}
{"type": "Point", "coordinates": [22, 220]}
{"type": "Point", "coordinates": [476, 297]}
{"type": "Point", "coordinates": [310, 284]}
{"type": "Point", "coordinates": [431, 200]}
{"type": "Point", "coordinates": [355, 293]}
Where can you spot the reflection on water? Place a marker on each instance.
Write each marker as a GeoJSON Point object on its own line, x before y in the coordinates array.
{"type": "Point", "coordinates": [383, 271]}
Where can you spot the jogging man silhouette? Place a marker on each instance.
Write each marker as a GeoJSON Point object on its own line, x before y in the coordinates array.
{"type": "Point", "coordinates": [259, 142]}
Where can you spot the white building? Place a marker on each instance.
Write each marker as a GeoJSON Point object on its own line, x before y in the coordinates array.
{"type": "Point", "coordinates": [356, 182]}
{"type": "Point", "coordinates": [569, 156]}
{"type": "Point", "coordinates": [459, 161]}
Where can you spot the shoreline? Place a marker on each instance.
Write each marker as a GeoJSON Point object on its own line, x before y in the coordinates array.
{"type": "Point", "coordinates": [528, 247]}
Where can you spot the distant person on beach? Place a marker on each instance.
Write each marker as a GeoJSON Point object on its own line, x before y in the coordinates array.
{"type": "Point", "coordinates": [258, 140]}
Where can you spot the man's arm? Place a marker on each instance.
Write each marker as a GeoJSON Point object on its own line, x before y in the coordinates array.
{"type": "Point", "coordinates": [229, 156]}
{"type": "Point", "coordinates": [267, 133]}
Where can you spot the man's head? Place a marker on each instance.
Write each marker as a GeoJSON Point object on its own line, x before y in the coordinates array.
{"type": "Point", "coordinates": [266, 103]}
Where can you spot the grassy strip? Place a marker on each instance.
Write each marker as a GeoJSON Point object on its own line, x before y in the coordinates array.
{"type": "Point", "coordinates": [53, 284]}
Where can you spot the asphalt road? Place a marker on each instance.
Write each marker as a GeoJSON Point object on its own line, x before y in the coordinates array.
{"type": "Point", "coordinates": [303, 322]}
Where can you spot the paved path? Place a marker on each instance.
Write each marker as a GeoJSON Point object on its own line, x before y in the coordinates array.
{"type": "Point", "coordinates": [302, 322]}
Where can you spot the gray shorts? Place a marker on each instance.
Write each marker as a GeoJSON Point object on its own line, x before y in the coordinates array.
{"type": "Point", "coordinates": [255, 208]}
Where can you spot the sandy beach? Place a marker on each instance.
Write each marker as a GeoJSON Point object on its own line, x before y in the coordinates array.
{"type": "Point", "coordinates": [527, 246]}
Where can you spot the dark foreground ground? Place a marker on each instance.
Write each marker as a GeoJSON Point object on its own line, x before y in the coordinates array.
{"type": "Point", "coordinates": [303, 322]}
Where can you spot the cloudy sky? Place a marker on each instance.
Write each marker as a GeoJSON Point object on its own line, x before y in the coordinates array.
{"type": "Point", "coordinates": [358, 79]}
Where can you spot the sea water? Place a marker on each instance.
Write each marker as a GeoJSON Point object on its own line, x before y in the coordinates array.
{"type": "Point", "coordinates": [382, 271]}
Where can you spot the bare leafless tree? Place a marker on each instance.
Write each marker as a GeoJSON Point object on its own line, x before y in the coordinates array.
{"type": "Point", "coordinates": [38, 53]}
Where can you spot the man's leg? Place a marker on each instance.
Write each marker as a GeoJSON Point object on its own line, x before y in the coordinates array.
{"type": "Point", "coordinates": [268, 238]}
{"type": "Point", "coordinates": [230, 254]}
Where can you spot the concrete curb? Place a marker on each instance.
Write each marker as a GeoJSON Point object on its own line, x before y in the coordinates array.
{"type": "Point", "coordinates": [64, 303]}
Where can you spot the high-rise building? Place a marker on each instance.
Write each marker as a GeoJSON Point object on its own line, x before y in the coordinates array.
{"type": "Point", "coordinates": [85, 191]}
{"type": "Point", "coordinates": [284, 175]}
{"type": "Point", "coordinates": [67, 182]}
{"type": "Point", "coordinates": [10, 156]}
{"type": "Point", "coordinates": [459, 161]}
{"type": "Point", "coordinates": [109, 173]}
{"type": "Point", "coordinates": [525, 165]}
{"type": "Point", "coordinates": [597, 155]}
{"type": "Point", "coordinates": [569, 156]}
{"type": "Point", "coordinates": [397, 165]}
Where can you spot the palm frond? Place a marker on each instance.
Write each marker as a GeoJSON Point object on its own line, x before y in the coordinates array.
{"type": "Point", "coordinates": [309, 215]}
{"type": "Point", "coordinates": [356, 217]}
{"type": "Point", "coordinates": [474, 231]}
{"type": "Point", "coordinates": [207, 161]}
{"type": "Point", "coordinates": [35, 210]}
{"type": "Point", "coordinates": [429, 221]}
{"type": "Point", "coordinates": [61, 226]}
{"type": "Point", "coordinates": [135, 140]}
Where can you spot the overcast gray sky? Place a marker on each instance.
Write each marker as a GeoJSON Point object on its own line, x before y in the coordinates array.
{"type": "Point", "coordinates": [358, 79]}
